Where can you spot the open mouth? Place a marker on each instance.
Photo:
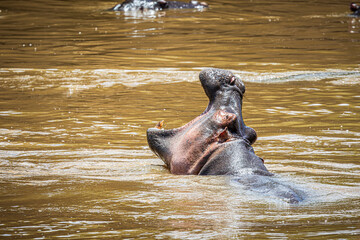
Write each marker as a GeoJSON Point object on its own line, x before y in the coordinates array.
{"type": "Point", "coordinates": [217, 130]}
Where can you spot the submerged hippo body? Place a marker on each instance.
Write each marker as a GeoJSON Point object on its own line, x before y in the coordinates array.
{"type": "Point", "coordinates": [355, 8]}
{"type": "Point", "coordinates": [217, 142]}
{"type": "Point", "coordinates": [136, 5]}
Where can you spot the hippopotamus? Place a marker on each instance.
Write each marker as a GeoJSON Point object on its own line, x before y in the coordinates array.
{"type": "Point", "coordinates": [355, 8]}
{"type": "Point", "coordinates": [135, 5]}
{"type": "Point", "coordinates": [217, 142]}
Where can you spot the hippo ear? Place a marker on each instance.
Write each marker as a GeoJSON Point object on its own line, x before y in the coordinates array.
{"type": "Point", "coordinates": [163, 4]}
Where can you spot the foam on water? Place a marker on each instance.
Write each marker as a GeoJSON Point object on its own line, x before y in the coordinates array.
{"type": "Point", "coordinates": [78, 80]}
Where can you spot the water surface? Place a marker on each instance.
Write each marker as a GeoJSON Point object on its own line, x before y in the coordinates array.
{"type": "Point", "coordinates": [79, 86]}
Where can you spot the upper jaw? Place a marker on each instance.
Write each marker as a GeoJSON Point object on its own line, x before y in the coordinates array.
{"type": "Point", "coordinates": [213, 80]}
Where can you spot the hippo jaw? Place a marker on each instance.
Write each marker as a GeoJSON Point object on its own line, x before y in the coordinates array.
{"type": "Point", "coordinates": [226, 91]}
{"type": "Point", "coordinates": [215, 81]}
{"type": "Point", "coordinates": [186, 150]}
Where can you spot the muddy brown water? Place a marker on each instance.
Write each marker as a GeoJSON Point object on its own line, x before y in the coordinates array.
{"type": "Point", "coordinates": [79, 86]}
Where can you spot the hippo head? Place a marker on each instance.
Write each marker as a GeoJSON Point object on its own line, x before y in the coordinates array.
{"type": "Point", "coordinates": [215, 81]}
{"type": "Point", "coordinates": [354, 7]}
{"type": "Point", "coordinates": [226, 91]}
{"type": "Point", "coordinates": [141, 5]}
{"type": "Point", "coordinates": [217, 141]}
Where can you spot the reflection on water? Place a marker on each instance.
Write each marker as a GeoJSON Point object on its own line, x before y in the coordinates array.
{"type": "Point", "coordinates": [354, 25]}
{"type": "Point", "coordinates": [79, 87]}
{"type": "Point", "coordinates": [254, 36]}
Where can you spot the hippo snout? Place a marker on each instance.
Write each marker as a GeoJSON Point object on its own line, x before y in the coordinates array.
{"type": "Point", "coordinates": [213, 80]}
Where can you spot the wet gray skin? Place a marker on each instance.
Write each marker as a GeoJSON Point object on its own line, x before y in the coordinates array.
{"type": "Point", "coordinates": [136, 5]}
{"type": "Point", "coordinates": [217, 142]}
{"type": "Point", "coordinates": [355, 8]}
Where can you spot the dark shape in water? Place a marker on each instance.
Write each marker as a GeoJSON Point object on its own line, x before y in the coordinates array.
{"type": "Point", "coordinates": [355, 8]}
{"type": "Point", "coordinates": [139, 5]}
{"type": "Point", "coordinates": [218, 142]}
